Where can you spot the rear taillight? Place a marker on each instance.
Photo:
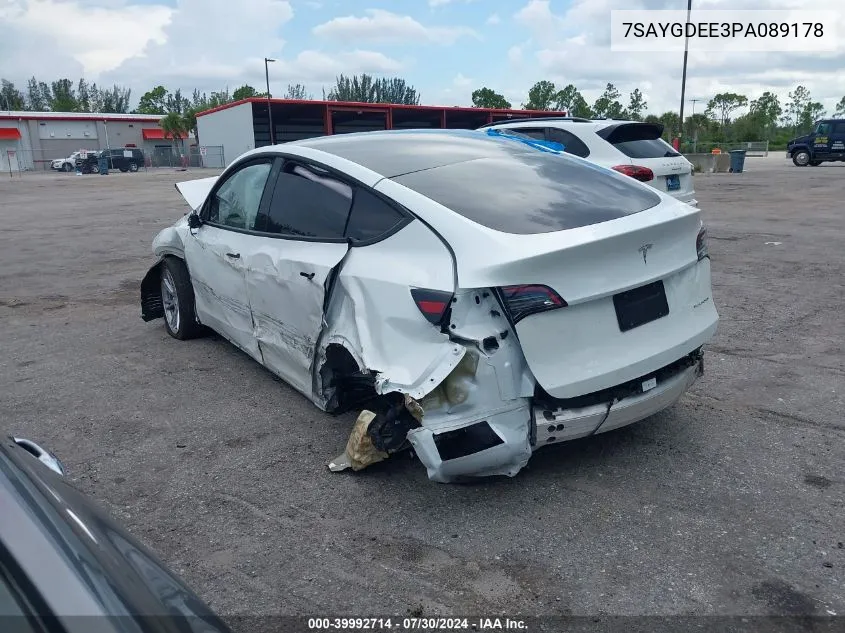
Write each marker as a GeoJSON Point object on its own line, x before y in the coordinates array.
{"type": "Point", "coordinates": [522, 301]}
{"type": "Point", "coordinates": [432, 303]}
{"type": "Point", "coordinates": [701, 244]}
{"type": "Point", "coordinates": [643, 174]}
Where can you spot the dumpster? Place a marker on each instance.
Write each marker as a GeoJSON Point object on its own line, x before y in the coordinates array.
{"type": "Point", "coordinates": [103, 164]}
{"type": "Point", "coordinates": [737, 160]}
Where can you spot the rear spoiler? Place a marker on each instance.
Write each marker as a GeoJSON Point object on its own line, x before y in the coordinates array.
{"type": "Point", "coordinates": [624, 132]}
{"type": "Point", "coordinates": [196, 191]}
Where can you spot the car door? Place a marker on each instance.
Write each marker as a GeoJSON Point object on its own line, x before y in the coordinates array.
{"type": "Point", "coordinates": [289, 269]}
{"type": "Point", "coordinates": [822, 141]}
{"type": "Point", "coordinates": [216, 253]}
{"type": "Point", "coordinates": [837, 140]}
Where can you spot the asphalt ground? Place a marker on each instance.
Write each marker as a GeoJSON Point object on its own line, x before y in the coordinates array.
{"type": "Point", "coordinates": [730, 503]}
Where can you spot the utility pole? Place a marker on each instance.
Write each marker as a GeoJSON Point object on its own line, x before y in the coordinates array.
{"type": "Point", "coordinates": [684, 76]}
{"type": "Point", "coordinates": [269, 104]}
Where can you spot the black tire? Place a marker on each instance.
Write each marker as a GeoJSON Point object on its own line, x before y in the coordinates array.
{"type": "Point", "coordinates": [94, 169]}
{"type": "Point", "coordinates": [801, 158]}
{"type": "Point", "coordinates": [67, 167]}
{"type": "Point", "coordinates": [185, 326]}
{"type": "Point", "coordinates": [133, 167]}
{"type": "Point", "coordinates": [124, 169]}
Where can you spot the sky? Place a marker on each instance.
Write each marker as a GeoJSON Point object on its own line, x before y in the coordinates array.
{"type": "Point", "coordinates": [444, 48]}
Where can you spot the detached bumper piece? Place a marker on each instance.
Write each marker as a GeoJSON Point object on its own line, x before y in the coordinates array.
{"type": "Point", "coordinates": [498, 445]}
{"type": "Point", "coordinates": [631, 403]}
{"type": "Point", "coordinates": [151, 305]}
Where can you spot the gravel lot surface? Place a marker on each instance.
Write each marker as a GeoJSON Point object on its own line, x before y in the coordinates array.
{"type": "Point", "coordinates": [731, 502]}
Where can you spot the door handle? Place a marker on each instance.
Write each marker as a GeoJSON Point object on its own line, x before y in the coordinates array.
{"type": "Point", "coordinates": [308, 276]}
{"type": "Point", "coordinates": [233, 255]}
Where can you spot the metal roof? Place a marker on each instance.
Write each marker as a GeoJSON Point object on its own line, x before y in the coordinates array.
{"type": "Point", "coordinates": [79, 116]}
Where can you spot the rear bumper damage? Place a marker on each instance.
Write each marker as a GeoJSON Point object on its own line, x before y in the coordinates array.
{"type": "Point", "coordinates": [501, 443]}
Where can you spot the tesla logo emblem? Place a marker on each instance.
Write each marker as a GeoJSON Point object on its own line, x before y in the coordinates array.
{"type": "Point", "coordinates": [644, 250]}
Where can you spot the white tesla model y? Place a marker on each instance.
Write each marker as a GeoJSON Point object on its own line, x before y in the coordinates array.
{"type": "Point", "coordinates": [512, 295]}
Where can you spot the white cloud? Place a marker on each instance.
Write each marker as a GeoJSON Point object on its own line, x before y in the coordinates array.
{"type": "Point", "coordinates": [494, 19]}
{"type": "Point", "coordinates": [462, 82]}
{"type": "Point", "coordinates": [48, 34]}
{"type": "Point", "coordinates": [383, 26]}
{"type": "Point", "coordinates": [574, 47]}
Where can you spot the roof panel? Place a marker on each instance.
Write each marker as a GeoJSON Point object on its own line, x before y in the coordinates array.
{"type": "Point", "coordinates": [396, 152]}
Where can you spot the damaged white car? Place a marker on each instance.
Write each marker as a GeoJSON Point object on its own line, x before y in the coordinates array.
{"type": "Point", "coordinates": [480, 296]}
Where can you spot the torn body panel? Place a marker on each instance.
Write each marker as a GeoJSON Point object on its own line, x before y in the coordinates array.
{"type": "Point", "coordinates": [286, 284]}
{"type": "Point", "coordinates": [477, 422]}
{"type": "Point", "coordinates": [372, 315]}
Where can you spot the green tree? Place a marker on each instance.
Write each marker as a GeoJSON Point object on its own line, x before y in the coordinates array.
{"type": "Point", "coordinates": [764, 113]}
{"type": "Point", "coordinates": [244, 92]}
{"type": "Point", "coordinates": [698, 126]}
{"type": "Point", "coordinates": [63, 96]}
{"type": "Point", "coordinates": [175, 102]}
{"type": "Point", "coordinates": [153, 101]}
{"type": "Point", "coordinates": [396, 90]}
{"type": "Point", "coordinates": [812, 112]}
{"type": "Point", "coordinates": [670, 121]}
{"type": "Point", "coordinates": [365, 88]}
{"type": "Point", "coordinates": [10, 97]}
{"type": "Point", "coordinates": [37, 95]}
{"type": "Point", "coordinates": [489, 98]}
{"type": "Point", "coordinates": [115, 99]}
{"type": "Point", "coordinates": [636, 105]}
{"type": "Point", "coordinates": [840, 108]}
{"type": "Point", "coordinates": [573, 102]}
{"type": "Point", "coordinates": [298, 92]}
{"type": "Point", "coordinates": [721, 106]}
{"type": "Point", "coordinates": [608, 104]}
{"type": "Point", "coordinates": [175, 126]}
{"type": "Point", "coordinates": [542, 96]}
{"type": "Point", "coordinates": [798, 100]}
{"type": "Point", "coordinates": [83, 96]}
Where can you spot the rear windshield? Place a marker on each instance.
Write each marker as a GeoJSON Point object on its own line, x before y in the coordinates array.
{"type": "Point", "coordinates": [527, 192]}
{"type": "Point", "coordinates": [651, 148]}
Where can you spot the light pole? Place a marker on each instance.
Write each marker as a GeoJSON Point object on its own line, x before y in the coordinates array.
{"type": "Point", "coordinates": [684, 76]}
{"type": "Point", "coordinates": [269, 105]}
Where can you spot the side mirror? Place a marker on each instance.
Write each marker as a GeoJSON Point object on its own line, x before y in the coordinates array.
{"type": "Point", "coordinates": [194, 221]}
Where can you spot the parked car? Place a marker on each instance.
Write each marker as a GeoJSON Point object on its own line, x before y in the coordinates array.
{"type": "Point", "coordinates": [125, 159]}
{"type": "Point", "coordinates": [826, 143]}
{"type": "Point", "coordinates": [64, 557]}
{"type": "Point", "coordinates": [518, 295]}
{"type": "Point", "coordinates": [632, 148]}
{"type": "Point", "coordinates": [69, 163]}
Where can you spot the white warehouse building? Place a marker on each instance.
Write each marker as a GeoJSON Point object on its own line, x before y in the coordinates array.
{"type": "Point", "coordinates": [32, 140]}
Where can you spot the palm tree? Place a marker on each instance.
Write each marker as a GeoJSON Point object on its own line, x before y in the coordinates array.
{"type": "Point", "coordinates": [176, 127]}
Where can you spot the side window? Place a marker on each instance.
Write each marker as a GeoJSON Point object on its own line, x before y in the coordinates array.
{"type": "Point", "coordinates": [371, 216]}
{"type": "Point", "coordinates": [534, 132]}
{"type": "Point", "coordinates": [823, 129]}
{"type": "Point", "coordinates": [571, 143]}
{"type": "Point", "coordinates": [839, 128]}
{"type": "Point", "coordinates": [237, 200]}
{"type": "Point", "coordinates": [307, 202]}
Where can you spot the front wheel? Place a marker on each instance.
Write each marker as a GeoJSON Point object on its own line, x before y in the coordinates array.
{"type": "Point", "coordinates": [67, 167]}
{"type": "Point", "coordinates": [801, 158]}
{"type": "Point", "coordinates": [95, 168]}
{"type": "Point", "coordinates": [133, 167]}
{"type": "Point", "coordinates": [177, 299]}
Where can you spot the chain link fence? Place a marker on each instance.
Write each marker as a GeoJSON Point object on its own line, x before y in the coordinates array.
{"type": "Point", "coordinates": [41, 160]}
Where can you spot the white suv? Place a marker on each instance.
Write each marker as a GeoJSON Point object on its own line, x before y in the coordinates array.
{"type": "Point", "coordinates": [630, 147]}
